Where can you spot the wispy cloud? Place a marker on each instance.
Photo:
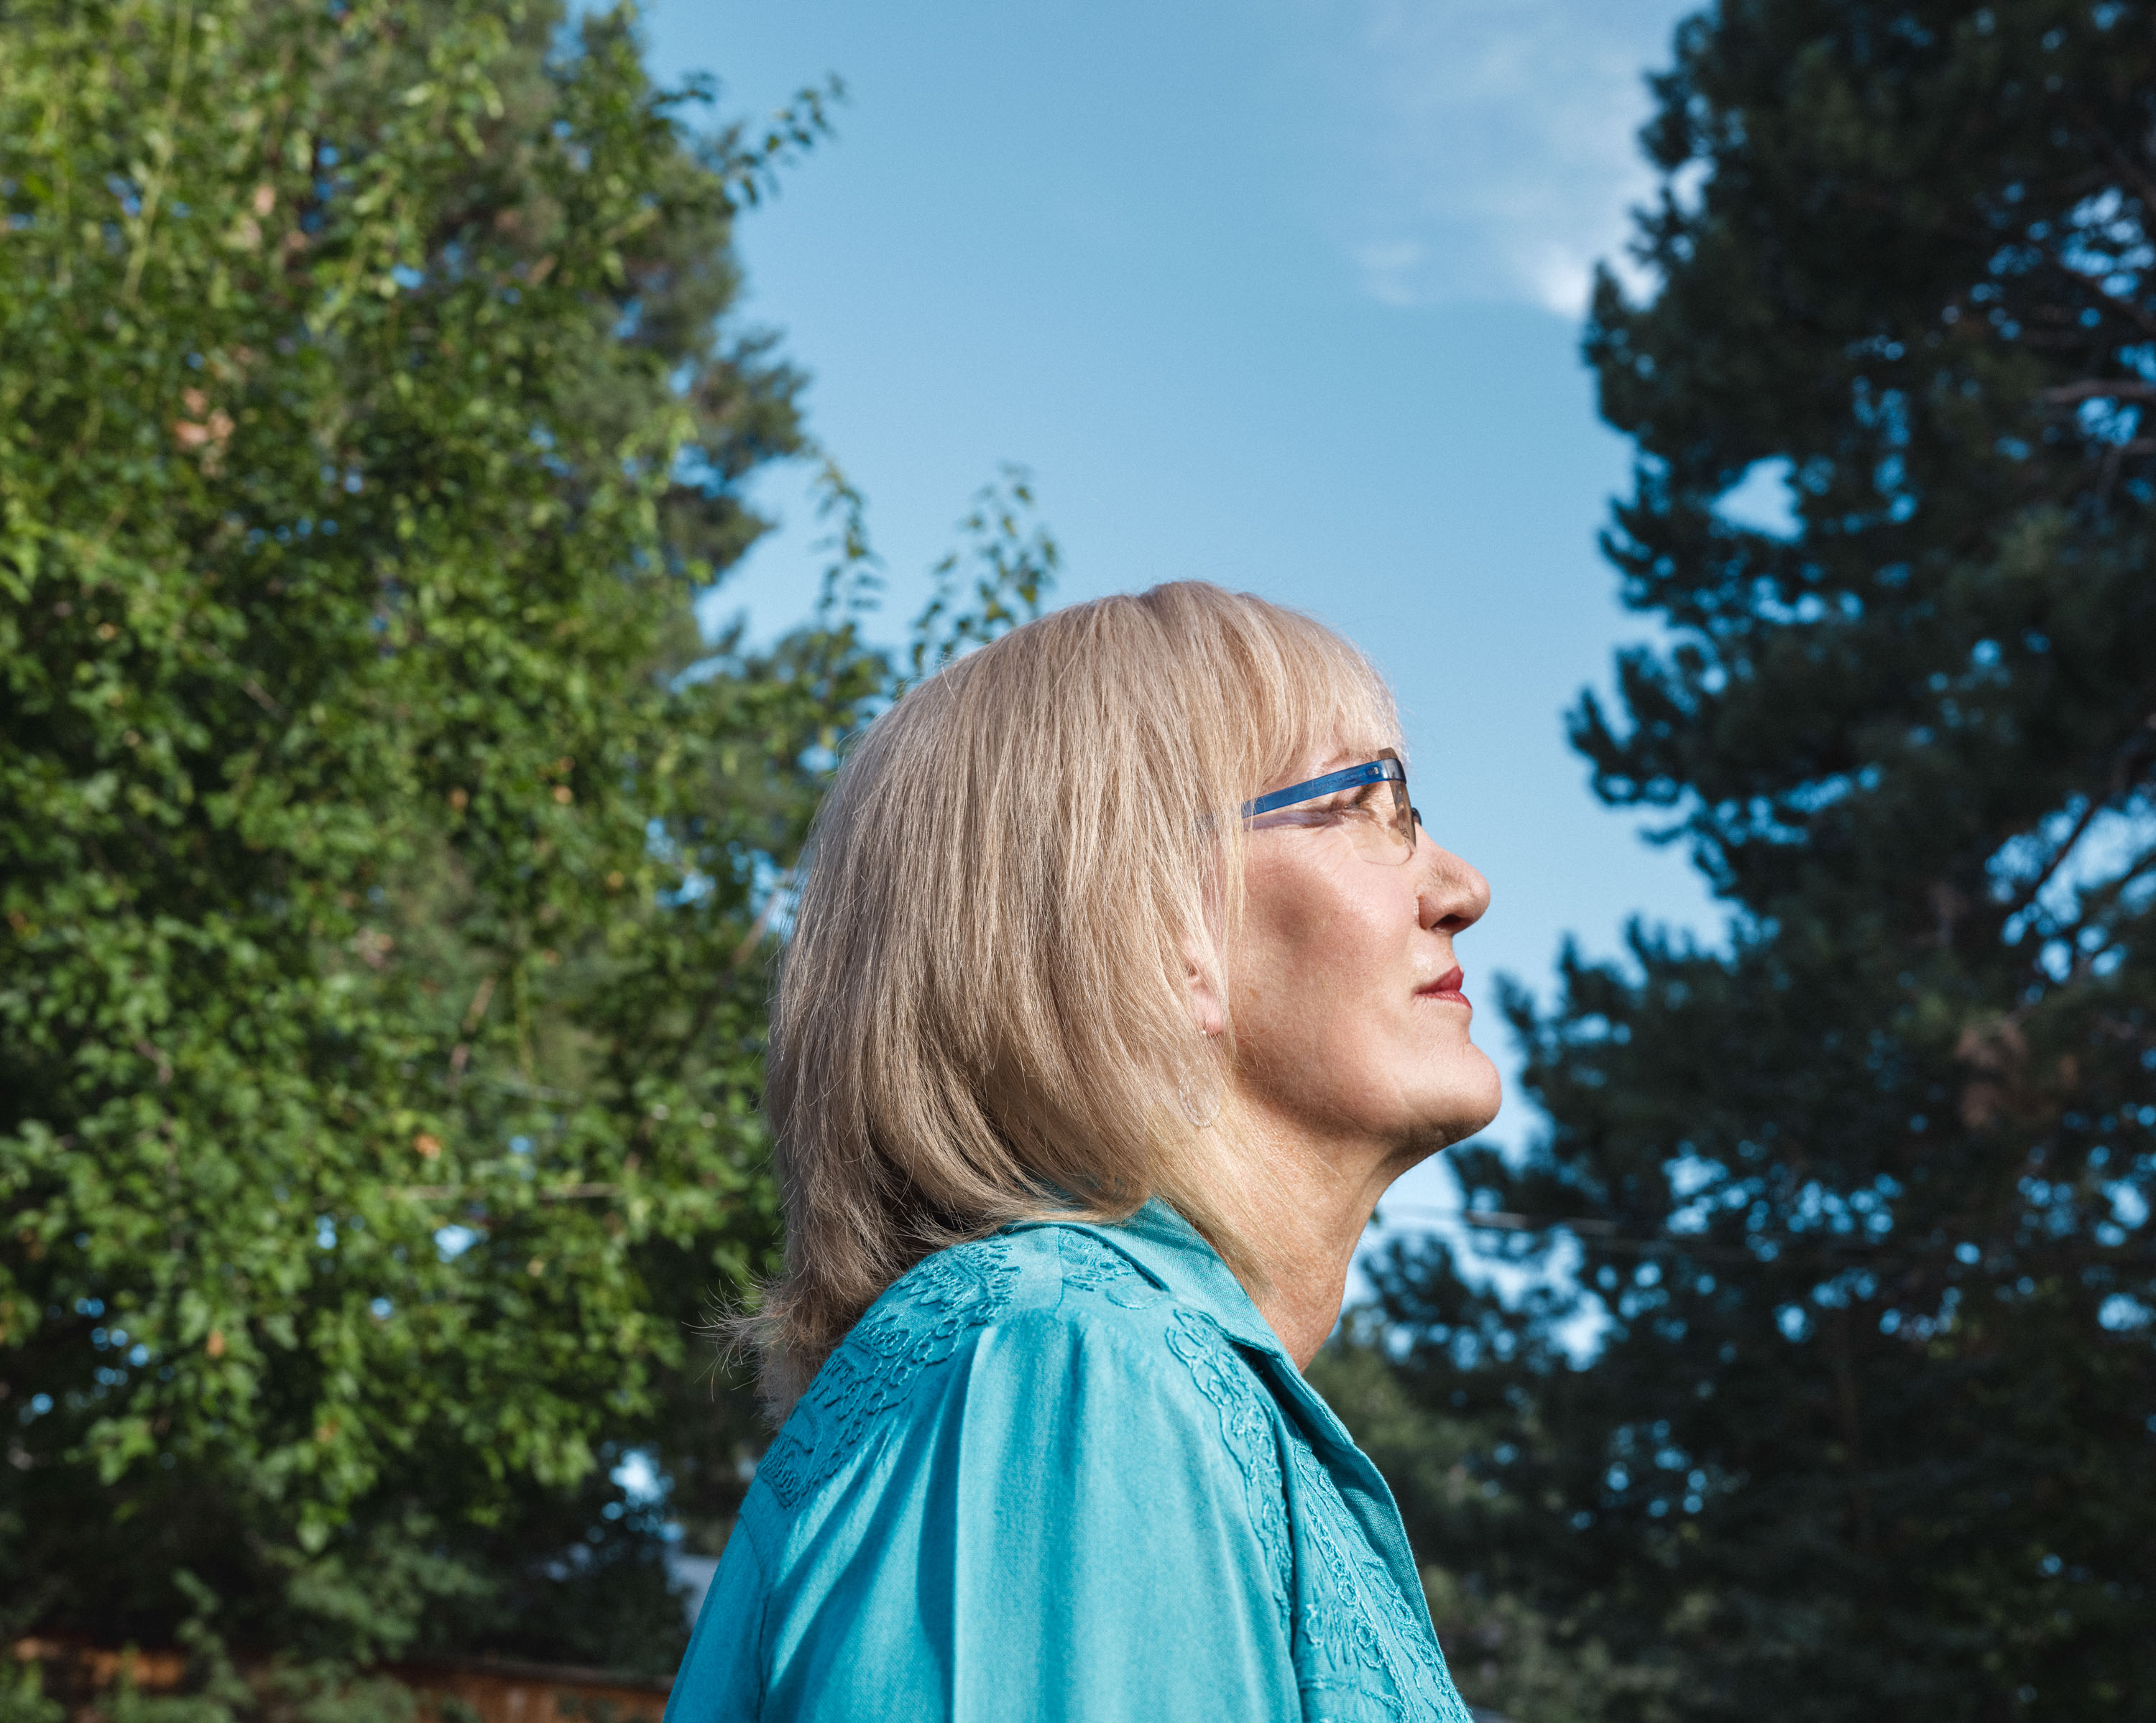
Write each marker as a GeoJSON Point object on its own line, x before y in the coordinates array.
{"type": "Point", "coordinates": [1500, 158]}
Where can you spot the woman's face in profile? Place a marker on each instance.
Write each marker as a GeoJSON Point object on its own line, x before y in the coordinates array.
{"type": "Point", "coordinates": [1350, 1019]}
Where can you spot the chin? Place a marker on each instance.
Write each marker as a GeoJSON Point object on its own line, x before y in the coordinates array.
{"type": "Point", "coordinates": [1468, 1101]}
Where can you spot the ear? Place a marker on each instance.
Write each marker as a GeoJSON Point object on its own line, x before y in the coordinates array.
{"type": "Point", "coordinates": [1207, 1012]}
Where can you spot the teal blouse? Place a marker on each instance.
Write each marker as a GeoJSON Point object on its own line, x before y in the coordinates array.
{"type": "Point", "coordinates": [1065, 1472]}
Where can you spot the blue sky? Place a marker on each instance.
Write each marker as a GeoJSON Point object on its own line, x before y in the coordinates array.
{"type": "Point", "coordinates": [1283, 294]}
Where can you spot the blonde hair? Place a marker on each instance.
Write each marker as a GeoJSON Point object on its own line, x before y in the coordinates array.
{"type": "Point", "coordinates": [983, 1013]}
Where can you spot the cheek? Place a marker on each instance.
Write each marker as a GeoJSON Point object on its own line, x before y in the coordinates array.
{"type": "Point", "coordinates": [1319, 947]}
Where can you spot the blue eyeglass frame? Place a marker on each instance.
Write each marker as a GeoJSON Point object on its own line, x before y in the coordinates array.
{"type": "Point", "coordinates": [1385, 769]}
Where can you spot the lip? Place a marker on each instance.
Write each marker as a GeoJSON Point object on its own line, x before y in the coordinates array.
{"type": "Point", "coordinates": [1446, 986]}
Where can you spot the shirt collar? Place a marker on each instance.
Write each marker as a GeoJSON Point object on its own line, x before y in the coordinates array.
{"type": "Point", "coordinates": [1173, 1254]}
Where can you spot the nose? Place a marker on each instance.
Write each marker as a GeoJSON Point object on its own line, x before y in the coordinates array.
{"type": "Point", "coordinates": [1451, 895]}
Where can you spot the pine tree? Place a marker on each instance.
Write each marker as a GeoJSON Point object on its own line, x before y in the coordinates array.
{"type": "Point", "coordinates": [1864, 1196]}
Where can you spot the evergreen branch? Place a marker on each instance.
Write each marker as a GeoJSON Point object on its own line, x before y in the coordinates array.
{"type": "Point", "coordinates": [1603, 1234]}
{"type": "Point", "coordinates": [2128, 770]}
{"type": "Point", "coordinates": [2120, 305]}
{"type": "Point", "coordinates": [2100, 389]}
{"type": "Point", "coordinates": [2120, 160]}
{"type": "Point", "coordinates": [2034, 890]}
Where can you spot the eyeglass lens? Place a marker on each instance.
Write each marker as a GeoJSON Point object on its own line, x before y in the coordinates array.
{"type": "Point", "coordinates": [1378, 817]}
{"type": "Point", "coordinates": [1378, 820]}
{"type": "Point", "coordinates": [1387, 834]}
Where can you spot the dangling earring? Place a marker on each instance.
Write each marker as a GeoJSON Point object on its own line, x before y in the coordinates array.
{"type": "Point", "coordinates": [1188, 1102]}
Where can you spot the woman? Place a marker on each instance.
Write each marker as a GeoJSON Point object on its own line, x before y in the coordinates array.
{"type": "Point", "coordinates": [1121, 987]}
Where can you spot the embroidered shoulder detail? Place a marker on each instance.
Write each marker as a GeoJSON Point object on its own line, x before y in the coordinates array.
{"type": "Point", "coordinates": [1091, 1266]}
{"type": "Point", "coordinates": [1225, 1380]}
{"type": "Point", "coordinates": [918, 1323]}
{"type": "Point", "coordinates": [1355, 1628]}
{"type": "Point", "coordinates": [1088, 1264]}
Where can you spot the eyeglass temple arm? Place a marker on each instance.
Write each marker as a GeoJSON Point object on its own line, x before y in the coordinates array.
{"type": "Point", "coordinates": [1374, 771]}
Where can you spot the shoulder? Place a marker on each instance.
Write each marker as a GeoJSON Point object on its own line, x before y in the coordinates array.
{"type": "Point", "coordinates": [998, 1318]}
{"type": "Point", "coordinates": [1013, 1477]}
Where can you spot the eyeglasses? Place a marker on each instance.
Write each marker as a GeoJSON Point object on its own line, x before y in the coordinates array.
{"type": "Point", "coordinates": [1368, 801]}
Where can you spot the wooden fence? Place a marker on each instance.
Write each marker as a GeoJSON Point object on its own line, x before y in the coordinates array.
{"type": "Point", "coordinates": [449, 1690]}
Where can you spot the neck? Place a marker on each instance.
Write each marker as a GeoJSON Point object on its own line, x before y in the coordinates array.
{"type": "Point", "coordinates": [1313, 1195]}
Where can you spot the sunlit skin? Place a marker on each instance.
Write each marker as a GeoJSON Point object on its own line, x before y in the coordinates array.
{"type": "Point", "coordinates": [1353, 1058]}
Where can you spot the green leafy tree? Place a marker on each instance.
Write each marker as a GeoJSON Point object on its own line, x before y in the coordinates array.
{"type": "Point", "coordinates": [1864, 1197]}
{"type": "Point", "coordinates": [387, 867]}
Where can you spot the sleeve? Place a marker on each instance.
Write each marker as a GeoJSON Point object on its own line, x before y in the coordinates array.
{"type": "Point", "coordinates": [1061, 1533]}
{"type": "Point", "coordinates": [722, 1673]}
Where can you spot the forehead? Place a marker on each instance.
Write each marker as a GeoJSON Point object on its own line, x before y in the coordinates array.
{"type": "Point", "coordinates": [1347, 721]}
{"type": "Point", "coordinates": [1316, 762]}
{"type": "Point", "coordinates": [1300, 700]}
{"type": "Point", "coordinates": [1347, 754]}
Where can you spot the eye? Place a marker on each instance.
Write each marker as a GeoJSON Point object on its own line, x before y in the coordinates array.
{"type": "Point", "coordinates": [1306, 813]}
{"type": "Point", "coordinates": [1362, 805]}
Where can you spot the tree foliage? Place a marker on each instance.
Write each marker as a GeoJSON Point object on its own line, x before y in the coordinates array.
{"type": "Point", "coordinates": [387, 867]}
{"type": "Point", "coordinates": [1863, 1198]}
